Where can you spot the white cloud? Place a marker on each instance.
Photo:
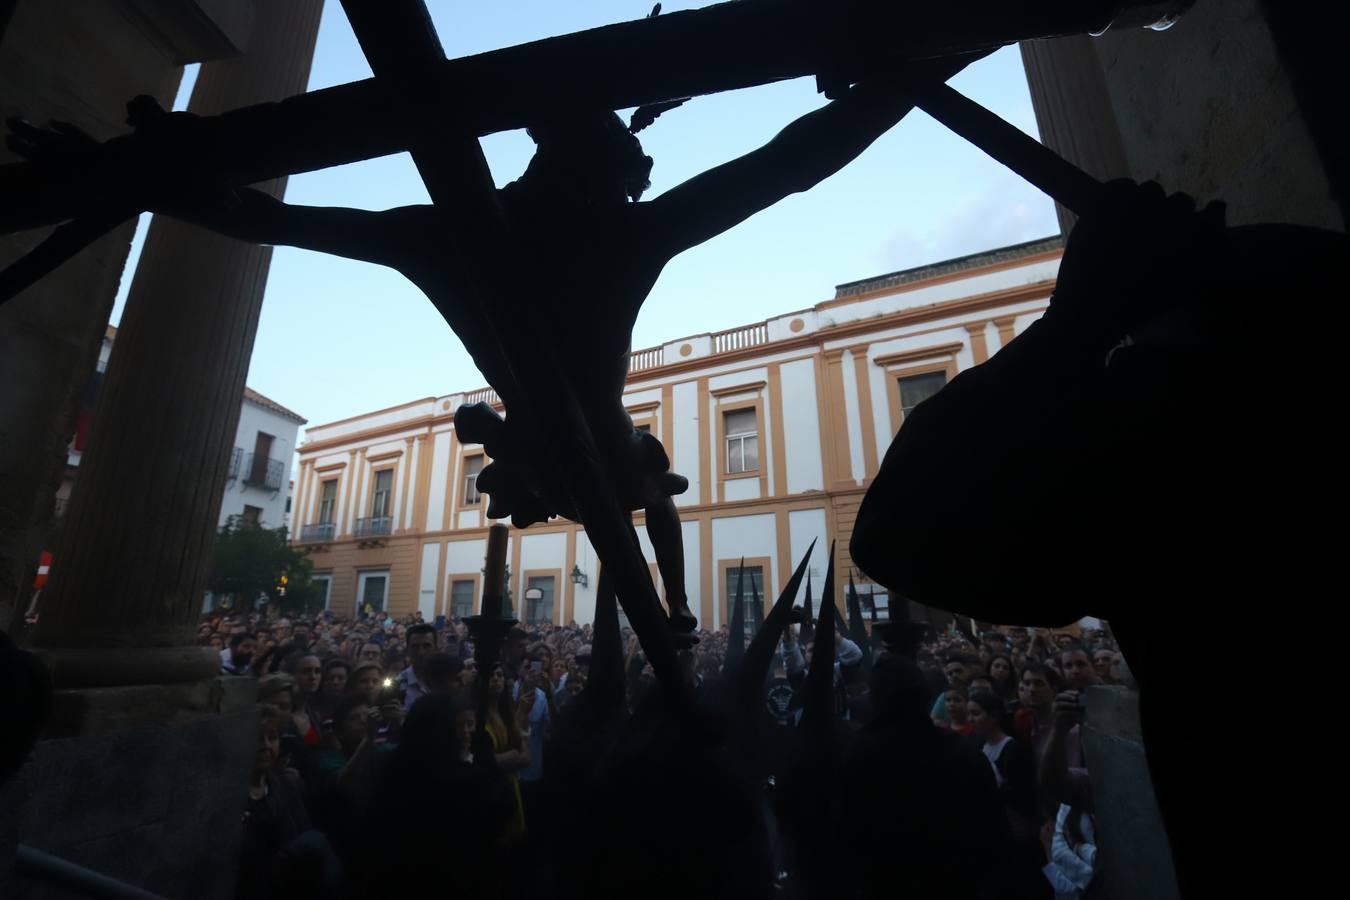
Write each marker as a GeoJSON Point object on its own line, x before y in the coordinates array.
{"type": "Point", "coordinates": [1007, 211]}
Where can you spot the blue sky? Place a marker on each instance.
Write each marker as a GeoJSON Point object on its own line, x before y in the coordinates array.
{"type": "Point", "coordinates": [337, 338]}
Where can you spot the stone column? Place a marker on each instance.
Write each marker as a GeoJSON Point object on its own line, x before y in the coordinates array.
{"type": "Point", "coordinates": [50, 333]}
{"type": "Point", "coordinates": [131, 563]}
{"type": "Point", "coordinates": [1073, 110]}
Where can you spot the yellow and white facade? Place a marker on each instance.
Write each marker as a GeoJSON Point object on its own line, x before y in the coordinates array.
{"type": "Point", "coordinates": [779, 427]}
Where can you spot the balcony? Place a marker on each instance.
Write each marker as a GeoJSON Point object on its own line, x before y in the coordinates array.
{"type": "Point", "coordinates": [267, 474]}
{"type": "Point", "coordinates": [740, 338]}
{"type": "Point", "coordinates": [642, 360]}
{"type": "Point", "coordinates": [375, 526]}
{"type": "Point", "coordinates": [482, 395]}
{"type": "Point", "coordinates": [319, 531]}
{"type": "Point", "coordinates": [236, 461]}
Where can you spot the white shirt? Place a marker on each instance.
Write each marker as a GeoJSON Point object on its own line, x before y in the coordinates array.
{"type": "Point", "coordinates": [992, 753]}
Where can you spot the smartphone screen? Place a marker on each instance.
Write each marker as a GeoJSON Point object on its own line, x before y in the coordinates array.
{"type": "Point", "coordinates": [537, 665]}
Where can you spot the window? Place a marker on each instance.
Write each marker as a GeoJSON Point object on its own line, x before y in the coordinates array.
{"type": "Point", "coordinates": [461, 598]}
{"type": "Point", "coordinates": [372, 591]}
{"type": "Point", "coordinates": [288, 505]}
{"type": "Point", "coordinates": [322, 583]}
{"type": "Point", "coordinates": [645, 427]}
{"type": "Point", "coordinates": [384, 486]}
{"type": "Point", "coordinates": [754, 582]}
{"type": "Point", "coordinates": [253, 514]}
{"type": "Point", "coordinates": [472, 466]}
{"type": "Point", "coordinates": [914, 389]}
{"type": "Point", "coordinates": [327, 501]}
{"type": "Point", "coordinates": [742, 435]}
{"type": "Point", "coordinates": [539, 599]}
{"type": "Point", "coordinates": [874, 602]}
{"type": "Point", "coordinates": [262, 447]}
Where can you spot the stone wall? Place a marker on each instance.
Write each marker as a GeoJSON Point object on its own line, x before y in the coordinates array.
{"type": "Point", "coordinates": [144, 784]}
{"type": "Point", "coordinates": [1134, 859]}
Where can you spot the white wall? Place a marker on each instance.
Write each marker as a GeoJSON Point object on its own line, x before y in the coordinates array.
{"type": "Point", "coordinates": [685, 456]}
{"type": "Point", "coordinates": [801, 427]}
{"type": "Point", "coordinates": [743, 488]}
{"type": "Point", "coordinates": [805, 526]}
{"type": "Point", "coordinates": [440, 463]}
{"type": "Point", "coordinates": [853, 418]}
{"type": "Point", "coordinates": [253, 419]}
{"type": "Point", "coordinates": [955, 289]}
{"type": "Point", "coordinates": [583, 602]}
{"type": "Point", "coordinates": [426, 595]}
{"type": "Point", "coordinates": [417, 410]}
{"type": "Point", "coordinates": [693, 588]}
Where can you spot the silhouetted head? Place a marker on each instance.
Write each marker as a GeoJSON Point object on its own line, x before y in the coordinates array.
{"type": "Point", "coordinates": [591, 156]}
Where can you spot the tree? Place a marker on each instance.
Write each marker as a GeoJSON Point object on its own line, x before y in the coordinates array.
{"type": "Point", "coordinates": [250, 561]}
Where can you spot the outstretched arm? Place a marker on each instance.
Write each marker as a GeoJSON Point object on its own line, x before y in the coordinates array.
{"type": "Point", "coordinates": [801, 156]}
{"type": "Point", "coordinates": [379, 237]}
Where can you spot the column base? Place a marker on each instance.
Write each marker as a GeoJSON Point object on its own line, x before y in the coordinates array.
{"type": "Point", "coordinates": [143, 783]}
{"type": "Point", "coordinates": [78, 667]}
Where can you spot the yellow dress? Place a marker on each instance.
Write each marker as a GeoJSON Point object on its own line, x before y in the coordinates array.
{"type": "Point", "coordinates": [515, 828]}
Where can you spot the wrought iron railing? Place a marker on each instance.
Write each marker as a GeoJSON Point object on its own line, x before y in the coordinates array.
{"type": "Point", "coordinates": [319, 531]}
{"type": "Point", "coordinates": [268, 474]}
{"type": "Point", "coordinates": [236, 459]}
{"type": "Point", "coordinates": [374, 526]}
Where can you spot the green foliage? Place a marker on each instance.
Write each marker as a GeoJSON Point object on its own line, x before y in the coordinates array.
{"type": "Point", "coordinates": [249, 561]}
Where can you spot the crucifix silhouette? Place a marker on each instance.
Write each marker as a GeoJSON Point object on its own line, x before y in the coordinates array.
{"type": "Point", "coordinates": [543, 279]}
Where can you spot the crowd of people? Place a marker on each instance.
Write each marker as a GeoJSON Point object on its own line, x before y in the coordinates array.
{"type": "Point", "coordinates": [354, 711]}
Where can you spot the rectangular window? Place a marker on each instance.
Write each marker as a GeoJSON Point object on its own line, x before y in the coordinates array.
{"type": "Point", "coordinates": [253, 514]}
{"type": "Point", "coordinates": [380, 505]}
{"type": "Point", "coordinates": [914, 389]}
{"type": "Point", "coordinates": [461, 598]}
{"type": "Point", "coordinates": [645, 428]}
{"type": "Point", "coordinates": [754, 582]}
{"type": "Point", "coordinates": [539, 599]}
{"type": "Point", "coordinates": [472, 466]}
{"type": "Point", "coordinates": [741, 427]}
{"type": "Point", "coordinates": [262, 448]}
{"type": "Point", "coordinates": [322, 583]}
{"type": "Point", "coordinates": [373, 590]}
{"type": "Point", "coordinates": [327, 502]}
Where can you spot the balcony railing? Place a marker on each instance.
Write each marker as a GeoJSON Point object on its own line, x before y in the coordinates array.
{"type": "Point", "coordinates": [319, 531]}
{"type": "Point", "coordinates": [741, 338]}
{"type": "Point", "coordinates": [267, 475]}
{"type": "Point", "coordinates": [236, 460]}
{"type": "Point", "coordinates": [482, 395]}
{"type": "Point", "coordinates": [374, 526]}
{"type": "Point", "coordinates": [641, 360]}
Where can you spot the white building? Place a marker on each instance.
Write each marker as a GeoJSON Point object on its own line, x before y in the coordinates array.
{"type": "Point", "coordinates": [259, 481]}
{"type": "Point", "coordinates": [779, 426]}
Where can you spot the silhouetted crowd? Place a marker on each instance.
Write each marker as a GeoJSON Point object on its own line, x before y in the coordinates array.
{"type": "Point", "coordinates": [955, 771]}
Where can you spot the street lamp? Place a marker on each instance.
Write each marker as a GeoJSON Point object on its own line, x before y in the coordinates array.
{"type": "Point", "coordinates": [578, 576]}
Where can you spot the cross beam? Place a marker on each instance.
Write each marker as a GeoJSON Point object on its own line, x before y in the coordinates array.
{"type": "Point", "coordinates": [724, 47]}
{"type": "Point", "coordinates": [401, 45]}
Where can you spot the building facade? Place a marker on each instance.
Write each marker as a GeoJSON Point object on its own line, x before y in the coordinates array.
{"type": "Point", "coordinates": [258, 486]}
{"type": "Point", "coordinates": [779, 427]}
